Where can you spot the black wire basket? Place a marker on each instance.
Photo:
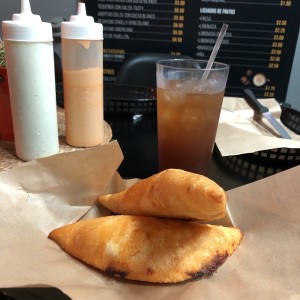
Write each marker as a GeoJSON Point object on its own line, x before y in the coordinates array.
{"type": "Point", "coordinates": [129, 99]}
{"type": "Point", "coordinates": [279, 157]}
{"type": "Point", "coordinates": [290, 118]}
{"type": "Point", "coordinates": [264, 163]}
{"type": "Point", "coordinates": [260, 164]}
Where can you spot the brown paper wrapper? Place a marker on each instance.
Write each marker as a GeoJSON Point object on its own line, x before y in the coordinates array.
{"type": "Point", "coordinates": [241, 131]}
{"type": "Point", "coordinates": [42, 195]}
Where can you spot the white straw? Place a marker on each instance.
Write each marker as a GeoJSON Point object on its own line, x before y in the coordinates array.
{"type": "Point", "coordinates": [215, 51]}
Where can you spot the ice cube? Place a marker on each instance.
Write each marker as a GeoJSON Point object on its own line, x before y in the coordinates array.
{"type": "Point", "coordinates": [164, 83]}
{"type": "Point", "coordinates": [194, 87]}
{"type": "Point", "coordinates": [209, 86]}
{"type": "Point", "coordinates": [191, 119]}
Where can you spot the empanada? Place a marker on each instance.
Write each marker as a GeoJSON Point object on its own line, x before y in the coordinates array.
{"type": "Point", "coordinates": [171, 193]}
{"type": "Point", "coordinates": [148, 248]}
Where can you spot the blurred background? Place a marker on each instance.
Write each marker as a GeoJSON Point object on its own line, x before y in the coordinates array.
{"type": "Point", "coordinates": [262, 44]}
{"type": "Point", "coordinates": [46, 9]}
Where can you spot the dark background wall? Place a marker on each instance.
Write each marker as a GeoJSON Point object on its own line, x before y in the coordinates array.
{"type": "Point", "coordinates": [49, 9]}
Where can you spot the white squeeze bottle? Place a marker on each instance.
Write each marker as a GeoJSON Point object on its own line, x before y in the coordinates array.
{"type": "Point", "coordinates": [82, 63]}
{"type": "Point", "coordinates": [31, 78]}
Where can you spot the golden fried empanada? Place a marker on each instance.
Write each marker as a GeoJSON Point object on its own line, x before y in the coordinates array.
{"type": "Point", "coordinates": [148, 248]}
{"type": "Point", "coordinates": [171, 193]}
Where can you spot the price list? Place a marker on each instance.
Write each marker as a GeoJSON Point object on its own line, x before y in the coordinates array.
{"type": "Point", "coordinates": [259, 44]}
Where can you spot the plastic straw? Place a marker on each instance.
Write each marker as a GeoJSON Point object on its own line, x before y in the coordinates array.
{"type": "Point", "coordinates": [215, 51]}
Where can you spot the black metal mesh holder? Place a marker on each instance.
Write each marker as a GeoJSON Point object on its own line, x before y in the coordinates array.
{"type": "Point", "coordinates": [264, 163]}
{"type": "Point", "coordinates": [290, 118]}
{"type": "Point", "coordinates": [129, 99]}
{"type": "Point", "coordinates": [260, 164]}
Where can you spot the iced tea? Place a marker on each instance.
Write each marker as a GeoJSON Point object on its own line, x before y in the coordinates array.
{"type": "Point", "coordinates": [188, 112]}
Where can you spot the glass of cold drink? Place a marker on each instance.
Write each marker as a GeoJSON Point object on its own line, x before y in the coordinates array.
{"type": "Point", "coordinates": [188, 110]}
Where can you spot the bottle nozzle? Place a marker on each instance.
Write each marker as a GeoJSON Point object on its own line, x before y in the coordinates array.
{"type": "Point", "coordinates": [82, 26]}
{"type": "Point", "coordinates": [26, 15]}
{"type": "Point", "coordinates": [25, 7]}
{"type": "Point", "coordinates": [81, 9]}
{"type": "Point", "coordinates": [26, 26]}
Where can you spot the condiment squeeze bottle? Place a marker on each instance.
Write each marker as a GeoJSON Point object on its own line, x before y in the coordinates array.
{"type": "Point", "coordinates": [31, 77]}
{"type": "Point", "coordinates": [82, 61]}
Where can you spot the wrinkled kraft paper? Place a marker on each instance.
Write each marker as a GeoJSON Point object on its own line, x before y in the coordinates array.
{"type": "Point", "coordinates": [242, 131]}
{"type": "Point", "coordinates": [42, 195]}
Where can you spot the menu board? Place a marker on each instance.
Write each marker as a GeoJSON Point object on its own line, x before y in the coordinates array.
{"type": "Point", "coordinates": [259, 44]}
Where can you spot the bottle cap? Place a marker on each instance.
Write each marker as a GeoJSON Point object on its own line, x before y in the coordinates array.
{"type": "Point", "coordinates": [81, 26]}
{"type": "Point", "coordinates": [26, 26]}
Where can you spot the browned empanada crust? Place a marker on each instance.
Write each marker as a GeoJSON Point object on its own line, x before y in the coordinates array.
{"type": "Point", "coordinates": [172, 193]}
{"type": "Point", "coordinates": [148, 248]}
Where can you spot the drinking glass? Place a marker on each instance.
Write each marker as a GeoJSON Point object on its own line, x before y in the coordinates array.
{"type": "Point", "coordinates": [188, 110]}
